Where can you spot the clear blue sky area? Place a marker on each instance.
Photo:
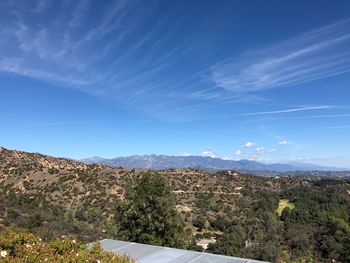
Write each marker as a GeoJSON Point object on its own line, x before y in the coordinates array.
{"type": "Point", "coordinates": [260, 80]}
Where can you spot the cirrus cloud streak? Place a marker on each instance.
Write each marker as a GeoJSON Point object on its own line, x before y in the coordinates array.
{"type": "Point", "coordinates": [310, 56]}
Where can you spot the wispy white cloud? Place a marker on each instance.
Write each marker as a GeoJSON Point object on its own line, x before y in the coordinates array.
{"type": "Point", "coordinates": [121, 51]}
{"type": "Point", "coordinates": [41, 6]}
{"type": "Point", "coordinates": [206, 94]}
{"type": "Point", "coordinates": [313, 55]}
{"type": "Point", "coordinates": [260, 149]}
{"type": "Point", "coordinates": [263, 150]}
{"type": "Point", "coordinates": [259, 153]}
{"type": "Point", "coordinates": [208, 153]}
{"type": "Point", "coordinates": [249, 144]}
{"type": "Point", "coordinates": [17, 66]}
{"type": "Point", "coordinates": [322, 107]}
{"type": "Point", "coordinates": [346, 115]}
{"type": "Point", "coordinates": [112, 52]}
{"type": "Point", "coordinates": [284, 142]}
{"type": "Point", "coordinates": [140, 121]}
{"type": "Point", "coordinates": [79, 14]}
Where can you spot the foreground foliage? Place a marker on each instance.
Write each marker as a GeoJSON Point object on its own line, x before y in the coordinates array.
{"type": "Point", "coordinates": [26, 247]}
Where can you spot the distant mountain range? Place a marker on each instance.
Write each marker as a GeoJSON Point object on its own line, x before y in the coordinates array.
{"type": "Point", "coordinates": [158, 162]}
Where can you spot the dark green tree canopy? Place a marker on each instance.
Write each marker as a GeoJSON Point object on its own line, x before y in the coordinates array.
{"type": "Point", "coordinates": [148, 214]}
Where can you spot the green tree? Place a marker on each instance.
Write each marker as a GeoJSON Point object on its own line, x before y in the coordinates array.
{"type": "Point", "coordinates": [199, 222]}
{"type": "Point", "coordinates": [34, 221]}
{"type": "Point", "coordinates": [148, 214]}
{"type": "Point", "coordinates": [230, 243]}
{"type": "Point", "coordinates": [285, 214]}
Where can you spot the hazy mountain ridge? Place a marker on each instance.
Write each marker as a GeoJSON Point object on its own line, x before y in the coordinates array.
{"type": "Point", "coordinates": [159, 162]}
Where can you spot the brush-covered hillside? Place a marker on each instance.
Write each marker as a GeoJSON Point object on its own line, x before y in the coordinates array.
{"type": "Point", "coordinates": [228, 212]}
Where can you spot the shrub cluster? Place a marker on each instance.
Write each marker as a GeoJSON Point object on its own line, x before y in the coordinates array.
{"type": "Point", "coordinates": [26, 247]}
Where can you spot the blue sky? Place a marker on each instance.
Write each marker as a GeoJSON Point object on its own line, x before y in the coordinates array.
{"type": "Point", "coordinates": [261, 80]}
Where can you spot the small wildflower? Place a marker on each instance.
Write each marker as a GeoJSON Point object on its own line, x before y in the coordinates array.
{"type": "Point", "coordinates": [98, 261]}
{"type": "Point", "coordinates": [77, 254]}
{"type": "Point", "coordinates": [74, 241]}
{"type": "Point", "coordinates": [3, 253]}
{"type": "Point", "coordinates": [27, 245]}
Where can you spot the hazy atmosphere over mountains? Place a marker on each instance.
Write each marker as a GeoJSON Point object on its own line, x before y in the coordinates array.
{"type": "Point", "coordinates": [164, 162]}
{"type": "Point", "coordinates": [260, 80]}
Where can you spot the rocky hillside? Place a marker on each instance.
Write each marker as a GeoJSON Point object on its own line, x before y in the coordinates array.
{"type": "Point", "coordinates": [62, 181]}
{"type": "Point", "coordinates": [75, 185]}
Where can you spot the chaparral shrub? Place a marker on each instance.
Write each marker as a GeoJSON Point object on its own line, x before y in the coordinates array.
{"type": "Point", "coordinates": [26, 247]}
